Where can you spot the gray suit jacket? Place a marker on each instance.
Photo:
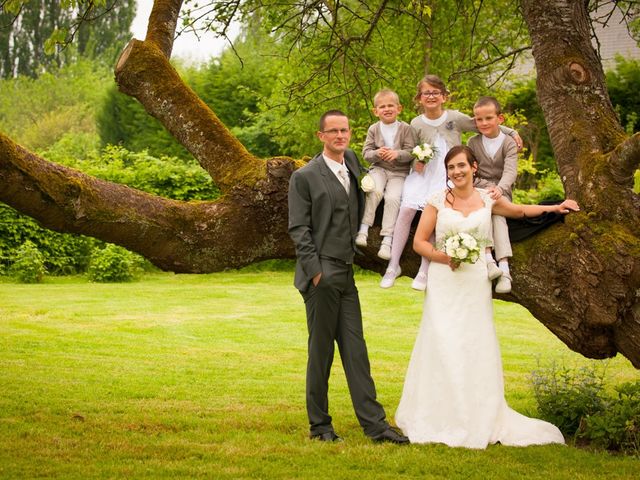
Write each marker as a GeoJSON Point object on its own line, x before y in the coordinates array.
{"type": "Point", "coordinates": [314, 193]}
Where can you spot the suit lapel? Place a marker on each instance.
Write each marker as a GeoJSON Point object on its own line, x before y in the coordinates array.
{"type": "Point", "coordinates": [332, 184]}
{"type": "Point", "coordinates": [329, 180]}
{"type": "Point", "coordinates": [351, 161]}
{"type": "Point", "coordinates": [354, 171]}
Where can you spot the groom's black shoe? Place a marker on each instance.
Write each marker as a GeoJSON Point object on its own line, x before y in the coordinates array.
{"type": "Point", "coordinates": [391, 435]}
{"type": "Point", "coordinates": [326, 437]}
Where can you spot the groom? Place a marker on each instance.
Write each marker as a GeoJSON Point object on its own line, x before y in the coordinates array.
{"type": "Point", "coordinates": [325, 206]}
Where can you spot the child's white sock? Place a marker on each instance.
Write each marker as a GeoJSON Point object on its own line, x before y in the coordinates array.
{"type": "Point", "coordinates": [387, 239]}
{"type": "Point", "coordinates": [503, 265]}
{"type": "Point", "coordinates": [364, 229]}
{"type": "Point", "coordinates": [489, 257]}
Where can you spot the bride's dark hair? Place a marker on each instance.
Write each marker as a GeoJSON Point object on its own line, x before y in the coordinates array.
{"type": "Point", "coordinates": [471, 159]}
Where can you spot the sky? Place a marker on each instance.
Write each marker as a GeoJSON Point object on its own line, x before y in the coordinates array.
{"type": "Point", "coordinates": [186, 46]}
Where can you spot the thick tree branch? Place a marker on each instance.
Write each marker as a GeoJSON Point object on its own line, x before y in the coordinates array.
{"type": "Point", "coordinates": [625, 160]}
{"type": "Point", "coordinates": [146, 74]}
{"type": "Point", "coordinates": [177, 236]}
{"type": "Point", "coordinates": [162, 24]}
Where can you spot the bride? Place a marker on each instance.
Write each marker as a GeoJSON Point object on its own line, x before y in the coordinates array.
{"type": "Point", "coordinates": [454, 392]}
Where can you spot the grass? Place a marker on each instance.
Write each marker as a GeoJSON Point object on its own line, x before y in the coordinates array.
{"type": "Point", "coordinates": [202, 376]}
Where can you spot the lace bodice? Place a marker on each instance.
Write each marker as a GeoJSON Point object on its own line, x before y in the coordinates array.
{"type": "Point", "coordinates": [449, 221]}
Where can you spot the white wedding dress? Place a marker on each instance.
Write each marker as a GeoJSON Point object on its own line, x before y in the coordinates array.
{"type": "Point", "coordinates": [454, 391]}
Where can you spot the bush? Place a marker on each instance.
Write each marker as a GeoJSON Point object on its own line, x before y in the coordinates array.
{"type": "Point", "coordinates": [565, 397]}
{"type": "Point", "coordinates": [618, 426]}
{"type": "Point", "coordinates": [63, 253]}
{"type": "Point", "coordinates": [165, 176]}
{"type": "Point", "coordinates": [68, 253]}
{"type": "Point", "coordinates": [111, 264]}
{"type": "Point", "coordinates": [577, 402]}
{"type": "Point", "coordinates": [548, 188]}
{"type": "Point", "coordinates": [28, 266]}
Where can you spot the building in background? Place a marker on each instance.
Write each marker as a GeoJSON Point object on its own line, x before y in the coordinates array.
{"type": "Point", "coordinates": [614, 38]}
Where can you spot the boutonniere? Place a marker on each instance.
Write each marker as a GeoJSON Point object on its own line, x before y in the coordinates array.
{"type": "Point", "coordinates": [366, 183]}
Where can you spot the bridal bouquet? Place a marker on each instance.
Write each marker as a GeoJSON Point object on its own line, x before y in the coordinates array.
{"type": "Point", "coordinates": [462, 247]}
{"type": "Point", "coordinates": [423, 152]}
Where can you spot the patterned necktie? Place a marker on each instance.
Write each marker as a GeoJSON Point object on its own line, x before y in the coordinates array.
{"type": "Point", "coordinates": [344, 177]}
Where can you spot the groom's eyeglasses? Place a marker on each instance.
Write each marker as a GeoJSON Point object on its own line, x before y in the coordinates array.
{"type": "Point", "coordinates": [335, 131]}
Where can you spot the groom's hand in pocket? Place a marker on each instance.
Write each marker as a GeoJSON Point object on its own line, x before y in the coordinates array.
{"type": "Point", "coordinates": [316, 279]}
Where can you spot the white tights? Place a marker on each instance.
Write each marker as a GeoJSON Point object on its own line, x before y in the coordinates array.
{"type": "Point", "coordinates": [400, 236]}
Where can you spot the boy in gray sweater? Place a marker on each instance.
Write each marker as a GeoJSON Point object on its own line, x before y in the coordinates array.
{"type": "Point", "coordinates": [388, 149]}
{"type": "Point", "coordinates": [497, 156]}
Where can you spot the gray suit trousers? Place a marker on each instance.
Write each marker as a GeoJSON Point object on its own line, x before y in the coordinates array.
{"type": "Point", "coordinates": [333, 315]}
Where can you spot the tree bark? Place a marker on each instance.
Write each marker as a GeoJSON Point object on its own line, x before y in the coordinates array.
{"type": "Point", "coordinates": [582, 280]}
{"type": "Point", "coordinates": [246, 225]}
{"type": "Point", "coordinates": [579, 278]}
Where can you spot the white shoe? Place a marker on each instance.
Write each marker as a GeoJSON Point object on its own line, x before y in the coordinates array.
{"type": "Point", "coordinates": [420, 282]}
{"type": "Point", "coordinates": [493, 271]}
{"type": "Point", "coordinates": [361, 239]}
{"type": "Point", "coordinates": [389, 277]}
{"type": "Point", "coordinates": [385, 251]}
{"type": "Point", "coordinates": [504, 283]}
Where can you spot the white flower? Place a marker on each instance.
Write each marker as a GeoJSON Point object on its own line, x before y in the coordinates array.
{"type": "Point", "coordinates": [462, 247]}
{"type": "Point", "coordinates": [423, 152]}
{"type": "Point", "coordinates": [468, 241]}
{"type": "Point", "coordinates": [451, 244]}
{"type": "Point", "coordinates": [367, 184]}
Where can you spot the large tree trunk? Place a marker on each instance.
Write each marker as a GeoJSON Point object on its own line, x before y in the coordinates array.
{"type": "Point", "coordinates": [579, 278]}
{"type": "Point", "coordinates": [582, 281]}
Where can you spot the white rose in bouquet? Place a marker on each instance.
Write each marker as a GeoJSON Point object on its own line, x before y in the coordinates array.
{"type": "Point", "coordinates": [462, 247]}
{"type": "Point", "coordinates": [423, 152]}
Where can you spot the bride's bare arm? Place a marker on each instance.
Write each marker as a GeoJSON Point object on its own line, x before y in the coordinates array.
{"type": "Point", "coordinates": [425, 229]}
{"type": "Point", "coordinates": [504, 207]}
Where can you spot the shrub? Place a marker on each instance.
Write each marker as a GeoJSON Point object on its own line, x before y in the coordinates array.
{"type": "Point", "coordinates": [618, 426]}
{"type": "Point", "coordinates": [111, 264]}
{"type": "Point", "coordinates": [565, 397]}
{"type": "Point", "coordinates": [68, 253]}
{"type": "Point", "coordinates": [63, 253]}
{"type": "Point", "coordinates": [576, 401]}
{"type": "Point", "coordinates": [28, 266]}
{"type": "Point", "coordinates": [548, 188]}
{"type": "Point", "coordinates": [165, 176]}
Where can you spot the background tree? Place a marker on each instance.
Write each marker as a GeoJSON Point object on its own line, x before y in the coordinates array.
{"type": "Point", "coordinates": [96, 26]}
{"type": "Point", "coordinates": [579, 278]}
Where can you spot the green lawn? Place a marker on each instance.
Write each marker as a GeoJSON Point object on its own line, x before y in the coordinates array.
{"type": "Point", "coordinates": [202, 376]}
